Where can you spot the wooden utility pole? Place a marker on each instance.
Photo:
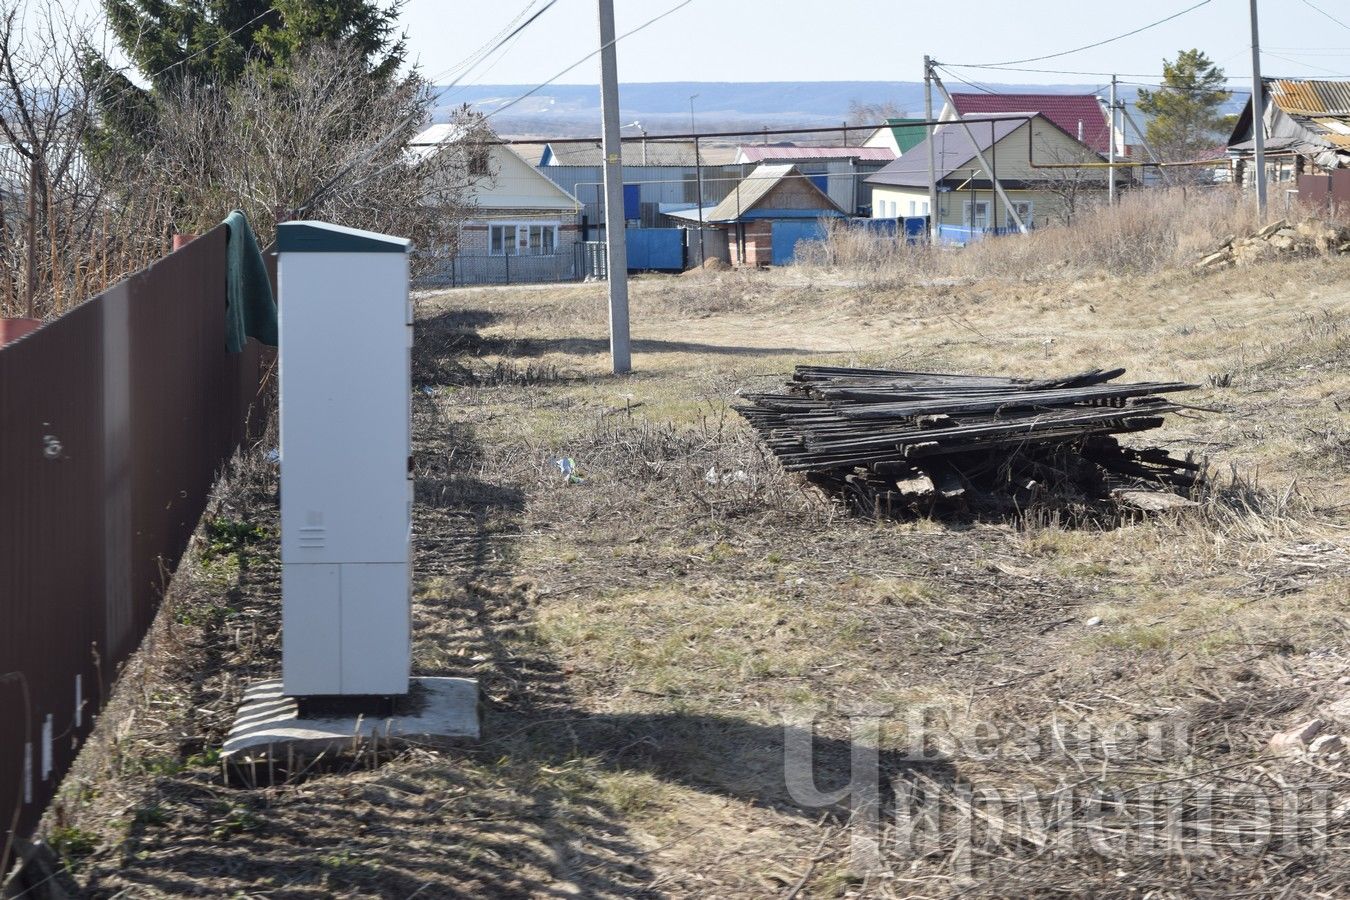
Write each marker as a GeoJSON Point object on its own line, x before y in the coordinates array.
{"type": "Point", "coordinates": [1258, 119]}
{"type": "Point", "coordinates": [932, 149]}
{"type": "Point", "coordinates": [616, 244]}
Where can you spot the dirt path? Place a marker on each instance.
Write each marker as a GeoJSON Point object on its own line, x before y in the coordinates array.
{"type": "Point", "coordinates": [703, 678]}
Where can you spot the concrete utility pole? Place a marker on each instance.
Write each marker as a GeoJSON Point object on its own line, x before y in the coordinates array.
{"type": "Point", "coordinates": [998, 188]}
{"type": "Point", "coordinates": [1111, 153]}
{"type": "Point", "coordinates": [616, 240]}
{"type": "Point", "coordinates": [1258, 119]}
{"type": "Point", "coordinates": [932, 149]}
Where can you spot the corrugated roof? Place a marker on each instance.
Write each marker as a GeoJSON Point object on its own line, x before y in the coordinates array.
{"type": "Point", "coordinates": [756, 186]}
{"type": "Point", "coordinates": [530, 151]}
{"type": "Point", "coordinates": [763, 154]}
{"type": "Point", "coordinates": [1310, 98]}
{"type": "Point", "coordinates": [1065, 110]}
{"type": "Point", "coordinates": [1322, 107]}
{"type": "Point", "coordinates": [651, 152]}
{"type": "Point", "coordinates": [908, 135]}
{"type": "Point", "coordinates": [954, 151]}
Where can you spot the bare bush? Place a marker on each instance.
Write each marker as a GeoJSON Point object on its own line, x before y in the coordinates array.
{"type": "Point", "coordinates": [327, 141]}
{"type": "Point", "coordinates": [60, 239]}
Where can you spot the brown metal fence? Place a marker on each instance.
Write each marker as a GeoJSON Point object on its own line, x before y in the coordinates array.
{"type": "Point", "coordinates": [115, 420]}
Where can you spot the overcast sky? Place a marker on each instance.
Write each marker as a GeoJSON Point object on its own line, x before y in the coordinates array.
{"type": "Point", "coordinates": [873, 40]}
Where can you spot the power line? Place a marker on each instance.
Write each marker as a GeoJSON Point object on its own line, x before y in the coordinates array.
{"type": "Point", "coordinates": [410, 120]}
{"type": "Point", "coordinates": [309, 201]}
{"type": "Point", "coordinates": [1063, 71]}
{"type": "Point", "coordinates": [1014, 62]}
{"type": "Point", "coordinates": [477, 57]}
{"type": "Point", "coordinates": [1305, 65]}
{"type": "Point", "coordinates": [501, 42]}
{"type": "Point", "coordinates": [975, 85]}
{"type": "Point", "coordinates": [540, 87]}
{"type": "Point", "coordinates": [1316, 8]}
{"type": "Point", "coordinates": [192, 56]}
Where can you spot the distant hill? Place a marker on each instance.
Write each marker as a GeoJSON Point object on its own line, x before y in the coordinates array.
{"type": "Point", "coordinates": [570, 109]}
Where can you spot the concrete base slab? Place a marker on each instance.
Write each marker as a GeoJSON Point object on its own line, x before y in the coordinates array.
{"type": "Point", "coordinates": [268, 723]}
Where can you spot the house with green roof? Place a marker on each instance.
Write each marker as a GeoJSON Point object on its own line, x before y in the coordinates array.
{"type": "Point", "coordinates": [898, 135]}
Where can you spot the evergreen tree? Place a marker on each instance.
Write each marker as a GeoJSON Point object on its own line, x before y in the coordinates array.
{"type": "Point", "coordinates": [1184, 117]}
{"type": "Point", "coordinates": [214, 42]}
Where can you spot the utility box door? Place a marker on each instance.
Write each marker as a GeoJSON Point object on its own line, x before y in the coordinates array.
{"type": "Point", "coordinates": [345, 334]}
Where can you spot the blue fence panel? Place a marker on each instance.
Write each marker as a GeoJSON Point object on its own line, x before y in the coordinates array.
{"type": "Point", "coordinates": [787, 234]}
{"type": "Point", "coordinates": [887, 227]}
{"type": "Point", "coordinates": [632, 201]}
{"type": "Point", "coordinates": [962, 234]}
{"type": "Point", "coordinates": [655, 248]}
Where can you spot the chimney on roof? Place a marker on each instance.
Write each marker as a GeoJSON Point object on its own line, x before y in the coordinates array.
{"type": "Point", "coordinates": [1080, 130]}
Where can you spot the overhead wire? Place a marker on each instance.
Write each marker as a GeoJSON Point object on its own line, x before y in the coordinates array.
{"type": "Point", "coordinates": [539, 87]}
{"type": "Point", "coordinates": [653, 20]}
{"type": "Point", "coordinates": [153, 75]}
{"type": "Point", "coordinates": [1316, 8]}
{"type": "Point", "coordinates": [1102, 43]}
{"type": "Point", "coordinates": [1305, 65]}
{"type": "Point", "coordinates": [499, 41]}
{"type": "Point", "coordinates": [410, 120]}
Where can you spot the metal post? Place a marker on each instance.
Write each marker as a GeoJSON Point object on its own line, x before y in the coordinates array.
{"type": "Point", "coordinates": [998, 188]}
{"type": "Point", "coordinates": [615, 238]}
{"type": "Point", "coordinates": [1129, 120]}
{"type": "Point", "coordinates": [993, 176]}
{"type": "Point", "coordinates": [1258, 119]}
{"type": "Point", "coordinates": [1111, 153]}
{"type": "Point", "coordinates": [932, 150]}
{"type": "Point", "coordinates": [698, 173]}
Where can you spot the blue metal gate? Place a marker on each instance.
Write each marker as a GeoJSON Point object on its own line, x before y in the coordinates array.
{"type": "Point", "coordinates": [787, 234]}
{"type": "Point", "coordinates": [655, 249]}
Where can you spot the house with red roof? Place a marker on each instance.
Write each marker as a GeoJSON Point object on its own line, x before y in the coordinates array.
{"type": "Point", "coordinates": [1082, 116]}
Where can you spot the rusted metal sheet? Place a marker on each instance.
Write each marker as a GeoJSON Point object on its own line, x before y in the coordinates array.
{"type": "Point", "coordinates": [1340, 188]}
{"type": "Point", "coordinates": [114, 422]}
{"type": "Point", "coordinates": [1313, 190]}
{"type": "Point", "coordinates": [1309, 97]}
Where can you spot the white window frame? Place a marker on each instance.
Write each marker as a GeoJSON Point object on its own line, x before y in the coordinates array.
{"type": "Point", "coordinates": [970, 208]}
{"type": "Point", "coordinates": [1026, 210]}
{"type": "Point", "coordinates": [522, 230]}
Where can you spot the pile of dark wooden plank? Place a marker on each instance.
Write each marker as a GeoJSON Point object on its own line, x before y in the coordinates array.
{"type": "Point", "coordinates": [895, 441]}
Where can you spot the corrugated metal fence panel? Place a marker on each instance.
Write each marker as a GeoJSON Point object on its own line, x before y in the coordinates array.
{"type": "Point", "coordinates": [655, 249]}
{"type": "Point", "coordinates": [787, 234]}
{"type": "Point", "coordinates": [114, 423]}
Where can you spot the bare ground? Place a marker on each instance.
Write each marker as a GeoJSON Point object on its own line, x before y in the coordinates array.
{"type": "Point", "coordinates": [655, 641]}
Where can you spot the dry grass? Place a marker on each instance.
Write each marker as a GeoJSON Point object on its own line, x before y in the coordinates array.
{"type": "Point", "coordinates": [642, 635]}
{"type": "Point", "coordinates": [1147, 232]}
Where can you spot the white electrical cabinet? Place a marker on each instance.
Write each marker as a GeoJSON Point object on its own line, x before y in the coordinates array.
{"type": "Point", "coordinates": [346, 485]}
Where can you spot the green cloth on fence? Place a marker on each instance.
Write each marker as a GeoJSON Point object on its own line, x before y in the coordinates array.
{"type": "Point", "coordinates": [250, 308]}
